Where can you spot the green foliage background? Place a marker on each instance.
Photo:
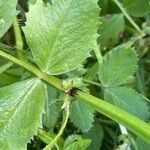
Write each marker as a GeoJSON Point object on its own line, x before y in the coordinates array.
{"type": "Point", "coordinates": [97, 47]}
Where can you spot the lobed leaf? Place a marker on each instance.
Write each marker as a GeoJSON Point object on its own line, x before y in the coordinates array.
{"type": "Point", "coordinates": [61, 35]}
{"type": "Point", "coordinates": [7, 14]}
{"type": "Point", "coordinates": [21, 107]}
{"type": "Point", "coordinates": [118, 66]}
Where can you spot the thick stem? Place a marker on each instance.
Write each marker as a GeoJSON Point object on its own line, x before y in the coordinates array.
{"type": "Point", "coordinates": [133, 123]}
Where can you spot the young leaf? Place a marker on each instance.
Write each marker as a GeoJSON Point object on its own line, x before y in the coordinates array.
{"type": "Point", "coordinates": [61, 35]}
{"type": "Point", "coordinates": [129, 100]}
{"type": "Point", "coordinates": [111, 29]}
{"type": "Point", "coordinates": [81, 144]}
{"type": "Point", "coordinates": [81, 115]}
{"type": "Point", "coordinates": [7, 14]}
{"type": "Point", "coordinates": [137, 8]}
{"type": "Point", "coordinates": [21, 106]}
{"type": "Point", "coordinates": [118, 65]}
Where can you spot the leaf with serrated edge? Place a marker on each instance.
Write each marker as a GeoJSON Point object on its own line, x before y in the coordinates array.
{"type": "Point", "coordinates": [81, 115]}
{"type": "Point", "coordinates": [7, 14]}
{"type": "Point", "coordinates": [129, 100]}
{"type": "Point", "coordinates": [61, 36]}
{"type": "Point", "coordinates": [115, 25]}
{"type": "Point", "coordinates": [21, 107]}
{"type": "Point", "coordinates": [118, 66]}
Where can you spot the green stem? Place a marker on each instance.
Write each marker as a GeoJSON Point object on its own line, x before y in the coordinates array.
{"type": "Point", "coordinates": [65, 107]}
{"type": "Point", "coordinates": [133, 123]}
{"type": "Point", "coordinates": [19, 40]}
{"type": "Point", "coordinates": [48, 78]}
{"type": "Point", "coordinates": [127, 16]}
{"type": "Point", "coordinates": [136, 125]}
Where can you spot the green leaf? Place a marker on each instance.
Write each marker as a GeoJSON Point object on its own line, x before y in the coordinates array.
{"type": "Point", "coordinates": [7, 14]}
{"type": "Point", "coordinates": [81, 115]}
{"type": "Point", "coordinates": [61, 36]}
{"type": "Point", "coordinates": [111, 30]}
{"type": "Point", "coordinates": [137, 8]}
{"type": "Point", "coordinates": [51, 108]}
{"type": "Point", "coordinates": [79, 145]}
{"type": "Point", "coordinates": [118, 66]}
{"type": "Point", "coordinates": [129, 100]}
{"type": "Point", "coordinates": [96, 135]}
{"type": "Point", "coordinates": [21, 107]}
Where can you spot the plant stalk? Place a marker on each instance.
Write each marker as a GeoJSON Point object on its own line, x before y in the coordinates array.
{"type": "Point", "coordinates": [133, 123]}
